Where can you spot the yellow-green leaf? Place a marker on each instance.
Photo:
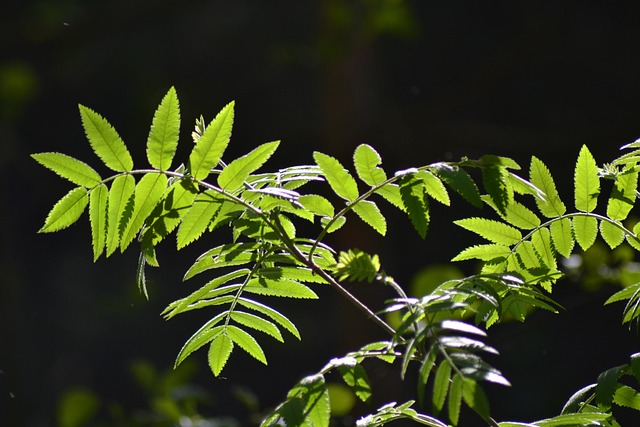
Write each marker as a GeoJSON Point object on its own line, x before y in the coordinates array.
{"type": "Point", "coordinates": [120, 199]}
{"type": "Point", "coordinates": [66, 211]}
{"type": "Point", "coordinates": [105, 141]}
{"type": "Point", "coordinates": [369, 213]}
{"type": "Point", "coordinates": [585, 230]}
{"type": "Point", "coordinates": [164, 133]}
{"type": "Point", "coordinates": [623, 195]}
{"type": "Point", "coordinates": [233, 176]}
{"type": "Point", "coordinates": [219, 351]}
{"type": "Point", "coordinates": [98, 218]}
{"type": "Point", "coordinates": [246, 342]}
{"type": "Point", "coordinates": [562, 236]}
{"type": "Point", "coordinates": [551, 206]}
{"type": "Point", "coordinates": [366, 161]}
{"type": "Point", "coordinates": [587, 182]}
{"type": "Point", "coordinates": [337, 176]}
{"type": "Point", "coordinates": [494, 231]}
{"type": "Point", "coordinates": [209, 149]}
{"type": "Point", "coordinates": [611, 234]}
{"type": "Point", "coordinates": [434, 187]}
{"type": "Point", "coordinates": [69, 168]}
{"type": "Point", "coordinates": [148, 193]}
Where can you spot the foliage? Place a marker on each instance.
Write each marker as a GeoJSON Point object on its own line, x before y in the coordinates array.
{"type": "Point", "coordinates": [265, 257]}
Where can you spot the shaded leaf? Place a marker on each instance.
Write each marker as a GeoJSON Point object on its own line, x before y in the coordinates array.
{"type": "Point", "coordinates": [148, 193]}
{"type": "Point", "coordinates": [415, 203]}
{"type": "Point", "coordinates": [356, 377]}
{"type": "Point", "coordinates": [496, 181]}
{"type": "Point", "coordinates": [460, 181]}
{"type": "Point", "coordinates": [455, 399]}
{"type": "Point", "coordinates": [120, 206]}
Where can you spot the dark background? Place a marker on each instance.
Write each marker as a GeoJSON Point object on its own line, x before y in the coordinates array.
{"type": "Point", "coordinates": [421, 81]}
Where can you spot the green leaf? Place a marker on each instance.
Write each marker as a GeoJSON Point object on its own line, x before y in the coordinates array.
{"type": "Point", "coordinates": [577, 399]}
{"type": "Point", "coordinates": [562, 236]}
{"type": "Point", "coordinates": [494, 231]}
{"type": "Point", "coordinates": [416, 203]}
{"type": "Point", "coordinates": [356, 377]}
{"type": "Point", "coordinates": [338, 177]}
{"type": "Point", "coordinates": [611, 234]}
{"type": "Point", "coordinates": [234, 175]}
{"type": "Point", "coordinates": [366, 161]}
{"type": "Point", "coordinates": [627, 397]}
{"type": "Point", "coordinates": [165, 129]}
{"type": "Point", "coordinates": [455, 399]}
{"type": "Point", "coordinates": [496, 182]}
{"type": "Point", "coordinates": [246, 342]}
{"type": "Point", "coordinates": [219, 352]}
{"type": "Point", "coordinates": [66, 211]}
{"type": "Point", "coordinates": [426, 367]}
{"type": "Point", "coordinates": [270, 312]}
{"type": "Point", "coordinates": [318, 205]}
{"type": "Point", "coordinates": [231, 254]}
{"type": "Point", "coordinates": [335, 225]}
{"type": "Point", "coordinates": [521, 216]}
{"type": "Point", "coordinates": [460, 181]}
{"type": "Point", "coordinates": [585, 230]}
{"type": "Point", "coordinates": [175, 204]}
{"type": "Point", "coordinates": [540, 176]}
{"type": "Point", "coordinates": [541, 239]}
{"type": "Point", "coordinates": [368, 211]}
{"type": "Point", "coordinates": [258, 323]}
{"type": "Point", "coordinates": [391, 193]}
{"type": "Point", "coordinates": [607, 385]}
{"type": "Point", "coordinates": [573, 420]}
{"type": "Point", "coordinates": [474, 396]}
{"type": "Point", "coordinates": [69, 168]}
{"type": "Point", "coordinates": [202, 336]}
{"type": "Point", "coordinates": [626, 293]}
{"type": "Point", "coordinates": [148, 193]}
{"type": "Point", "coordinates": [307, 405]}
{"type": "Point", "coordinates": [105, 141]}
{"type": "Point", "coordinates": [434, 187]}
{"type": "Point", "coordinates": [491, 252]}
{"type": "Point", "coordinates": [279, 288]}
{"type": "Point", "coordinates": [98, 218]}
{"type": "Point", "coordinates": [623, 195]}
{"type": "Point", "coordinates": [205, 206]}
{"type": "Point", "coordinates": [587, 182]}
{"type": "Point", "coordinates": [120, 206]}
{"type": "Point", "coordinates": [441, 385]}
{"type": "Point", "coordinates": [209, 149]}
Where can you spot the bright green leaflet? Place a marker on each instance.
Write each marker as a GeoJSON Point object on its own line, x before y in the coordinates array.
{"type": "Point", "coordinates": [164, 133]}
{"type": "Point", "coordinates": [105, 141]}
{"type": "Point", "coordinates": [69, 168]}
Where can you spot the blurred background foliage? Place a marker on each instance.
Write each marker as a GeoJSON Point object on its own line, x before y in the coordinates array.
{"type": "Point", "coordinates": [421, 81]}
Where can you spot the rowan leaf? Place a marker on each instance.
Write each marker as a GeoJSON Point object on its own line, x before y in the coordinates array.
{"type": "Point", "coordinates": [496, 182]}
{"type": "Point", "coordinates": [489, 252]}
{"type": "Point", "coordinates": [460, 181]}
{"type": "Point", "coordinates": [246, 342]}
{"type": "Point", "coordinates": [391, 193]}
{"type": "Point", "coordinates": [562, 236]}
{"type": "Point", "coordinates": [279, 288]}
{"type": "Point", "coordinates": [585, 230]}
{"type": "Point", "coordinates": [317, 205]}
{"type": "Point", "coordinates": [551, 206]}
{"type": "Point", "coordinates": [441, 385]}
{"type": "Point", "coordinates": [219, 351]}
{"type": "Point", "coordinates": [258, 323]}
{"type": "Point", "coordinates": [208, 151]}
{"type": "Point", "coordinates": [434, 187]}
{"type": "Point", "coordinates": [121, 197]}
{"type": "Point", "coordinates": [494, 231]}
{"type": "Point", "coordinates": [164, 133]}
{"type": "Point", "coordinates": [339, 179]}
{"type": "Point", "coordinates": [415, 203]}
{"type": "Point", "coordinates": [148, 193]}
{"type": "Point", "coordinates": [623, 195]}
{"type": "Point", "coordinates": [66, 211]}
{"type": "Point", "coordinates": [276, 316]}
{"type": "Point", "coordinates": [197, 219]}
{"type": "Point", "coordinates": [586, 181]}
{"type": "Point", "coordinates": [366, 161]}
{"type": "Point", "coordinates": [455, 398]}
{"type": "Point", "coordinates": [612, 234]}
{"type": "Point", "coordinates": [233, 176]}
{"type": "Point", "coordinates": [98, 198]}
{"type": "Point", "coordinates": [69, 168]}
{"type": "Point", "coordinates": [368, 211]}
{"type": "Point", "coordinates": [105, 141]}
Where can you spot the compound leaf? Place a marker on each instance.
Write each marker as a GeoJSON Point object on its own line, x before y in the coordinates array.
{"type": "Point", "coordinates": [317, 205]}
{"type": "Point", "coordinates": [120, 207]}
{"type": "Point", "coordinates": [219, 351]}
{"type": "Point", "coordinates": [234, 175]}
{"type": "Point", "coordinates": [338, 177]}
{"type": "Point", "coordinates": [98, 218]}
{"type": "Point", "coordinates": [165, 129]}
{"type": "Point", "coordinates": [366, 161]}
{"type": "Point", "coordinates": [148, 193]}
{"type": "Point", "coordinates": [105, 141]}
{"type": "Point", "coordinates": [209, 149]}
{"type": "Point", "coordinates": [551, 206]}
{"type": "Point", "coordinates": [494, 231]}
{"type": "Point", "coordinates": [69, 168]}
{"type": "Point", "coordinates": [246, 342]}
{"type": "Point", "coordinates": [368, 211]}
{"type": "Point", "coordinates": [66, 211]}
{"type": "Point", "coordinates": [587, 183]}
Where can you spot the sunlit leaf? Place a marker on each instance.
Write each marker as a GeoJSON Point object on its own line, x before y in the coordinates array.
{"type": "Point", "coordinates": [562, 236]}
{"type": "Point", "coordinates": [587, 182]}
{"type": "Point", "coordinates": [164, 133]}
{"type": "Point", "coordinates": [623, 195]}
{"type": "Point", "coordinates": [98, 218]}
{"type": "Point", "coordinates": [66, 211]}
{"type": "Point", "coordinates": [612, 234]}
{"type": "Point", "coordinates": [120, 208]}
{"type": "Point", "coordinates": [416, 204]}
{"type": "Point", "coordinates": [105, 141]}
{"type": "Point", "coordinates": [148, 193]}
{"type": "Point", "coordinates": [209, 149]}
{"type": "Point", "coordinates": [551, 206]}
{"type": "Point", "coordinates": [337, 176]}
{"type": "Point", "coordinates": [258, 323]}
{"type": "Point", "coordinates": [219, 351]}
{"type": "Point", "coordinates": [460, 181]}
{"type": "Point", "coordinates": [494, 231]}
{"type": "Point", "coordinates": [69, 168]}
{"type": "Point", "coordinates": [585, 230]}
{"type": "Point", "coordinates": [233, 176]}
{"type": "Point", "coordinates": [366, 161]}
{"type": "Point", "coordinates": [246, 342]}
{"type": "Point", "coordinates": [368, 211]}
